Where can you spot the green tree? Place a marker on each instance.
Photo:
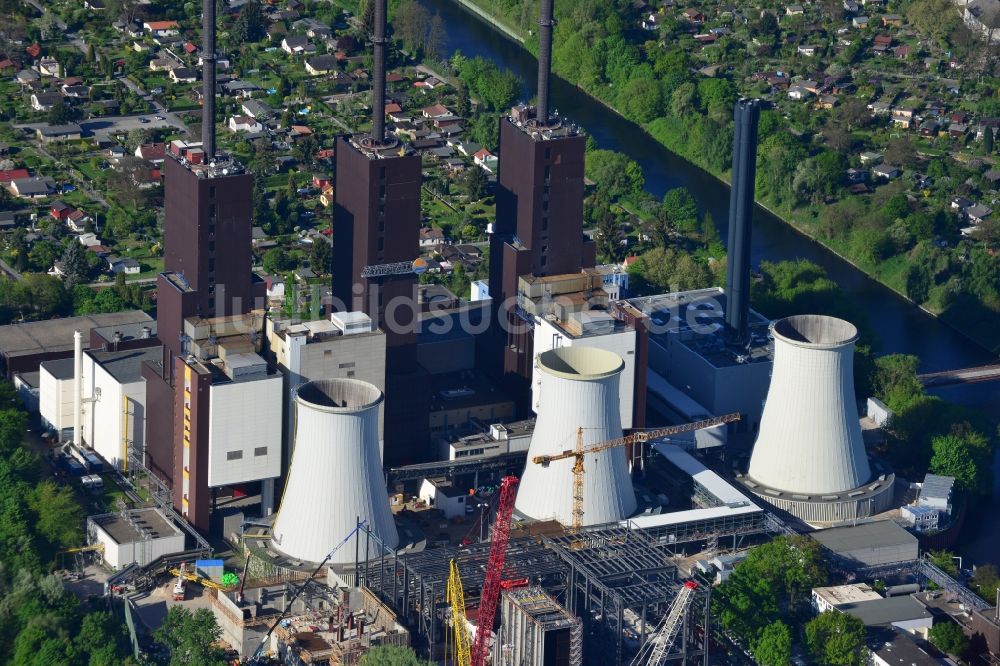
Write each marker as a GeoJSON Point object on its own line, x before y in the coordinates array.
{"type": "Point", "coordinates": [320, 255]}
{"type": "Point", "coordinates": [918, 283]}
{"type": "Point", "coordinates": [966, 457]}
{"type": "Point", "coordinates": [102, 638]}
{"type": "Point", "coordinates": [74, 262]}
{"type": "Point", "coordinates": [988, 141]}
{"type": "Point", "coordinates": [774, 646]}
{"type": "Point", "coordinates": [61, 113]}
{"type": "Point", "coordinates": [641, 100]}
{"type": "Point", "coordinates": [190, 637]}
{"type": "Point", "coordinates": [476, 183]}
{"type": "Point", "coordinates": [615, 173]}
{"type": "Point", "coordinates": [392, 655]}
{"type": "Point", "coordinates": [836, 639]}
{"type": "Point", "coordinates": [948, 637]}
{"type": "Point", "coordinates": [276, 260]}
{"type": "Point", "coordinates": [250, 24]}
{"type": "Point", "coordinates": [986, 581]}
{"type": "Point", "coordinates": [944, 560]}
{"type": "Point", "coordinates": [682, 209]}
{"type": "Point", "coordinates": [60, 516]}
{"type": "Point", "coordinates": [485, 130]}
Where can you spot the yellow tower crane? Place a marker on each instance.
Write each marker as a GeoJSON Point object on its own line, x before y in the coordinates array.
{"type": "Point", "coordinates": [636, 437]}
{"type": "Point", "coordinates": [456, 597]}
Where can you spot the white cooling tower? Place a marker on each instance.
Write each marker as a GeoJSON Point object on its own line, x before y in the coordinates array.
{"type": "Point", "coordinates": [335, 475]}
{"type": "Point", "coordinates": [579, 389]}
{"type": "Point", "coordinates": [810, 438]}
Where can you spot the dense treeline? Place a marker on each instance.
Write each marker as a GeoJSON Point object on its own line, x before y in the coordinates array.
{"type": "Point", "coordinates": [40, 621]}
{"type": "Point", "coordinates": [913, 244]}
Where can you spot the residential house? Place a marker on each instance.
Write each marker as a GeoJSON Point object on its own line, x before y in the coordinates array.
{"type": "Point", "coordinates": [902, 52]}
{"type": "Point", "coordinates": [77, 221]}
{"type": "Point", "coordinates": [48, 67]}
{"type": "Point", "coordinates": [486, 160]}
{"type": "Point", "coordinates": [8, 175]}
{"type": "Point", "coordinates": [435, 111]}
{"type": "Point", "coordinates": [34, 50]}
{"type": "Point", "coordinates": [651, 21]}
{"type": "Point", "coordinates": [94, 5]}
{"type": "Point", "coordinates": [794, 10]}
{"type": "Point", "coordinates": [27, 77]}
{"type": "Point", "coordinates": [326, 196]}
{"type": "Point", "coordinates": [902, 117]}
{"type": "Point", "coordinates": [881, 42]}
{"type": "Point", "coordinates": [162, 64]}
{"type": "Point", "coordinates": [851, 7]}
{"type": "Point", "coordinates": [34, 187]}
{"type": "Point", "coordinates": [977, 213]}
{"type": "Point", "coordinates": [190, 48]}
{"type": "Point", "coordinates": [183, 75]}
{"type": "Point", "coordinates": [860, 22]}
{"type": "Point", "coordinates": [245, 124]}
{"type": "Point", "coordinates": [887, 172]}
{"type": "Point", "coordinates": [75, 91]}
{"type": "Point", "coordinates": [127, 266]}
{"type": "Point", "coordinates": [68, 132]}
{"type": "Point", "coordinates": [296, 44]}
{"type": "Point", "coordinates": [808, 50]}
{"type": "Point", "coordinates": [693, 16]}
{"type": "Point", "coordinates": [241, 89]}
{"type": "Point", "coordinates": [321, 180]}
{"type": "Point", "coordinates": [892, 21]}
{"type": "Point", "coordinates": [44, 101]}
{"type": "Point", "coordinates": [880, 108]}
{"type": "Point", "coordinates": [431, 236]}
{"type": "Point", "coordinates": [797, 92]}
{"type": "Point", "coordinates": [60, 210]}
{"type": "Point", "coordinates": [161, 28]}
{"type": "Point", "coordinates": [152, 152]}
{"type": "Point", "coordinates": [827, 101]}
{"type": "Point", "coordinates": [856, 175]}
{"type": "Point", "coordinates": [257, 109]}
{"type": "Point", "coordinates": [960, 204]}
{"type": "Point", "coordinates": [322, 64]}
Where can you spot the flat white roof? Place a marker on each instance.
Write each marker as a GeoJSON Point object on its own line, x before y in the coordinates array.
{"type": "Point", "coordinates": [846, 594]}
{"type": "Point", "coordinates": [703, 476]}
{"type": "Point", "coordinates": [689, 516]}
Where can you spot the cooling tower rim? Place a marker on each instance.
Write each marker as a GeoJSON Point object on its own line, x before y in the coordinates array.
{"type": "Point", "coordinates": [580, 363]}
{"type": "Point", "coordinates": [323, 394]}
{"type": "Point", "coordinates": [815, 331]}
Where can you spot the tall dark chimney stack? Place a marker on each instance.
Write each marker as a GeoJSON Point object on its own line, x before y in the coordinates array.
{"type": "Point", "coordinates": [208, 79]}
{"type": "Point", "coordinates": [737, 329]}
{"type": "Point", "coordinates": [378, 76]}
{"type": "Point", "coordinates": [544, 61]}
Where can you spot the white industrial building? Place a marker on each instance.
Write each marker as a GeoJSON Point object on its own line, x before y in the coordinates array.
{"type": "Point", "coordinates": [336, 473]}
{"type": "Point", "coordinates": [139, 535]}
{"type": "Point", "coordinates": [113, 399]}
{"type": "Point", "coordinates": [345, 346]}
{"type": "Point", "coordinates": [578, 397]}
{"type": "Point", "coordinates": [497, 440]}
{"type": "Point", "coordinates": [809, 458]}
{"type": "Point", "coordinates": [245, 444]}
{"type": "Point", "coordinates": [443, 496]}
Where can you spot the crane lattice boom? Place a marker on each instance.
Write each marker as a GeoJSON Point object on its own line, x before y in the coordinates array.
{"type": "Point", "coordinates": [494, 571]}
{"type": "Point", "coordinates": [656, 649]}
{"type": "Point", "coordinates": [638, 436]}
{"type": "Point", "coordinates": [456, 597]}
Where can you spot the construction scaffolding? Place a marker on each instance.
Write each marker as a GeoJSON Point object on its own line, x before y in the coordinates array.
{"type": "Point", "coordinates": [621, 583]}
{"type": "Point", "coordinates": [415, 584]}
{"type": "Point", "coordinates": [536, 631]}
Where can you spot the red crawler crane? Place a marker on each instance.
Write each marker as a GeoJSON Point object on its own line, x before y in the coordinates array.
{"type": "Point", "coordinates": [494, 571]}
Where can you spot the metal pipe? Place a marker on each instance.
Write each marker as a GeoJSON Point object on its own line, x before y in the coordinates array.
{"type": "Point", "coordinates": [378, 75]}
{"type": "Point", "coordinates": [737, 322]}
{"type": "Point", "coordinates": [77, 388]}
{"type": "Point", "coordinates": [208, 79]}
{"type": "Point", "coordinates": [544, 61]}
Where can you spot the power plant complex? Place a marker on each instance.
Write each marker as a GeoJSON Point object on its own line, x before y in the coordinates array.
{"type": "Point", "coordinates": [501, 492]}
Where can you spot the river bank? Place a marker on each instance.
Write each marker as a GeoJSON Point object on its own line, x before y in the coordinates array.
{"type": "Point", "coordinates": [957, 319]}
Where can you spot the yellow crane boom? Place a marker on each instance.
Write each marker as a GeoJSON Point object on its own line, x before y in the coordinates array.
{"type": "Point", "coordinates": [456, 597]}
{"type": "Point", "coordinates": [636, 437]}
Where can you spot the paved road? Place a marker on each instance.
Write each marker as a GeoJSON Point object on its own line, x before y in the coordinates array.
{"type": "Point", "coordinates": [110, 125]}
{"type": "Point", "coordinates": [160, 110]}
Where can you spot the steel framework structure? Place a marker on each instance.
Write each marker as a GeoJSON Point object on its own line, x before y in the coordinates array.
{"type": "Point", "coordinates": [614, 571]}
{"type": "Point", "coordinates": [415, 584]}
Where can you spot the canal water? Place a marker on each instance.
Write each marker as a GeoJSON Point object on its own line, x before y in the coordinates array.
{"type": "Point", "coordinates": [900, 326]}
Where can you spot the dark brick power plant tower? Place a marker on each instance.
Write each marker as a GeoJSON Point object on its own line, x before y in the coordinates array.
{"type": "Point", "coordinates": [207, 266]}
{"type": "Point", "coordinates": [539, 224]}
{"type": "Point", "coordinates": [376, 232]}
